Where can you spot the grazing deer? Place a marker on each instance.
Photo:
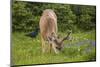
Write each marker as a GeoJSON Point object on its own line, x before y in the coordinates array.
{"type": "Point", "coordinates": [48, 32]}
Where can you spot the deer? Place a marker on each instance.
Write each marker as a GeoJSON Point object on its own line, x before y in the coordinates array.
{"type": "Point", "coordinates": [48, 32]}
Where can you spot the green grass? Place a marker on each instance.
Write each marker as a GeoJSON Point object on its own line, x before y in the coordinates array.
{"type": "Point", "coordinates": [28, 51]}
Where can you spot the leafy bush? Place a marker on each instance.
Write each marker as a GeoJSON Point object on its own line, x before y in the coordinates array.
{"type": "Point", "coordinates": [26, 16]}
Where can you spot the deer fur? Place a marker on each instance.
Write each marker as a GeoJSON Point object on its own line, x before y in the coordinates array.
{"type": "Point", "coordinates": [48, 32]}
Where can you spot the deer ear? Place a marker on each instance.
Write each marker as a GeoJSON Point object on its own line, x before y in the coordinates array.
{"type": "Point", "coordinates": [49, 38]}
{"type": "Point", "coordinates": [52, 34]}
{"type": "Point", "coordinates": [53, 37]}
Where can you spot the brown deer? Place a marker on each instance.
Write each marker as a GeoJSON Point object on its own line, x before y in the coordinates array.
{"type": "Point", "coordinates": [48, 32]}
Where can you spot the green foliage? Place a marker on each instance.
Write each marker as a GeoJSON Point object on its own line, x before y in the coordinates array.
{"type": "Point", "coordinates": [26, 16]}
{"type": "Point", "coordinates": [86, 16]}
{"type": "Point", "coordinates": [23, 18]}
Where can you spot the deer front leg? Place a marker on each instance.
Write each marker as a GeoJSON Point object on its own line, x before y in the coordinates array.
{"type": "Point", "coordinates": [54, 48]}
{"type": "Point", "coordinates": [49, 47]}
{"type": "Point", "coordinates": [43, 45]}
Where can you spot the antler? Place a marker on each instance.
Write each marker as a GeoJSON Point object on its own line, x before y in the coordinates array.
{"type": "Point", "coordinates": [67, 37]}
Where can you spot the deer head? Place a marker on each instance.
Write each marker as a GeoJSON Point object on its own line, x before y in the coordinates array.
{"type": "Point", "coordinates": [58, 42]}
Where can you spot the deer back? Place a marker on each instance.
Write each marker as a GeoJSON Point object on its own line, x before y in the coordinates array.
{"type": "Point", "coordinates": [48, 23]}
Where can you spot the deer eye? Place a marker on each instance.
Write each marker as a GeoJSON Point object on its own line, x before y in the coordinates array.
{"type": "Point", "coordinates": [55, 41]}
{"type": "Point", "coordinates": [59, 48]}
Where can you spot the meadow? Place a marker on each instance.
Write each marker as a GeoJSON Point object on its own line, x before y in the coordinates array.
{"type": "Point", "coordinates": [26, 50]}
{"type": "Point", "coordinates": [80, 19]}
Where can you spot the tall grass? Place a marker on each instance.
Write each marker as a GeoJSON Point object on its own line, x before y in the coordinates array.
{"type": "Point", "coordinates": [26, 50]}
